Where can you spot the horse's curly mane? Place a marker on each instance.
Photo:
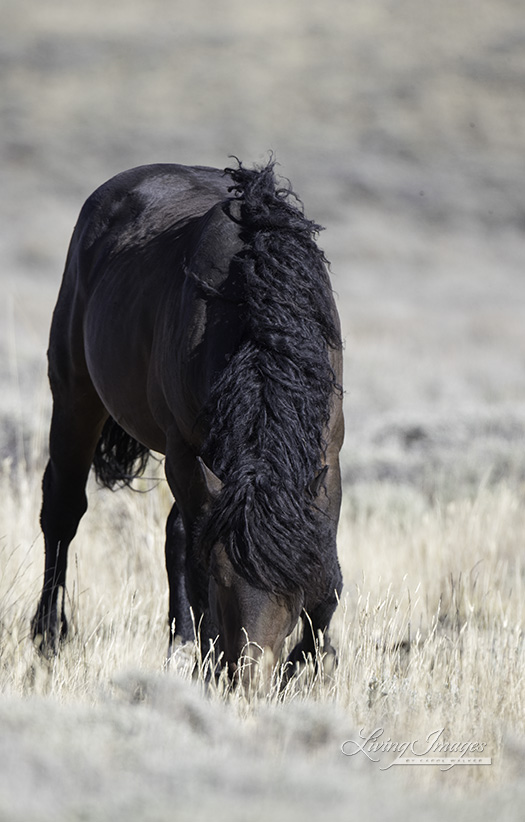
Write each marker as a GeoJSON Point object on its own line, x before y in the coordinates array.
{"type": "Point", "coordinates": [269, 408]}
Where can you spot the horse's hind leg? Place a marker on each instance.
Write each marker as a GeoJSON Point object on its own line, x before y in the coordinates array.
{"type": "Point", "coordinates": [75, 428]}
{"type": "Point", "coordinates": [180, 619]}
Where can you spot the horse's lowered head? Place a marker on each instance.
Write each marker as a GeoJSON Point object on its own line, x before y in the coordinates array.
{"type": "Point", "coordinates": [252, 613]}
{"type": "Point", "coordinates": [250, 621]}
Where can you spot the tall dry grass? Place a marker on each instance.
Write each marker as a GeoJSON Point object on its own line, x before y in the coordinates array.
{"type": "Point", "coordinates": [429, 628]}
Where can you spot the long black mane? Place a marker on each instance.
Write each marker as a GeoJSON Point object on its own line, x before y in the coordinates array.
{"type": "Point", "coordinates": [269, 408]}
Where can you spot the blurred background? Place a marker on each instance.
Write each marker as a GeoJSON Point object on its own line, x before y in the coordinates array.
{"type": "Point", "coordinates": [401, 125]}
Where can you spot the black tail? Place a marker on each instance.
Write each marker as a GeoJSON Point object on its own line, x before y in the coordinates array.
{"type": "Point", "coordinates": [118, 457]}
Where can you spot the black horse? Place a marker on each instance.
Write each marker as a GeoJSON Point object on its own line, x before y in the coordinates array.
{"type": "Point", "coordinates": [196, 319]}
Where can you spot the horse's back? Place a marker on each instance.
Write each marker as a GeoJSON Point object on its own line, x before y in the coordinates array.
{"type": "Point", "coordinates": [145, 244]}
{"type": "Point", "coordinates": [142, 202]}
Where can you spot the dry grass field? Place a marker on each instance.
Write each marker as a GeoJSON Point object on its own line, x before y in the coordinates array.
{"type": "Point", "coordinates": [402, 125]}
{"type": "Point", "coordinates": [430, 637]}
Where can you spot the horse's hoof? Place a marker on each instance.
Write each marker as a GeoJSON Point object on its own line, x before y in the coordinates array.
{"type": "Point", "coordinates": [330, 660]}
{"type": "Point", "coordinates": [48, 633]}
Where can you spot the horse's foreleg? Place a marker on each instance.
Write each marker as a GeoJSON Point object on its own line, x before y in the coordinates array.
{"type": "Point", "coordinates": [315, 627]}
{"type": "Point", "coordinates": [72, 442]}
{"type": "Point", "coordinates": [188, 579]}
